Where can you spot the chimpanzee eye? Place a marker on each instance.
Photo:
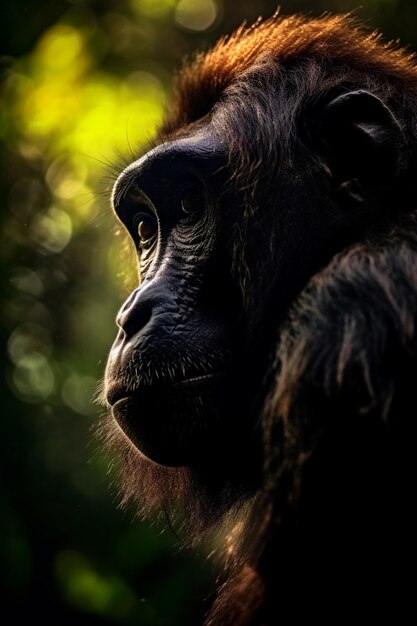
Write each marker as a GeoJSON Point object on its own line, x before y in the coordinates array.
{"type": "Point", "coordinates": [146, 228]}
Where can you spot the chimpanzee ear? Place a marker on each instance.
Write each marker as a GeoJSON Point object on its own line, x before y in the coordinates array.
{"type": "Point", "coordinates": [363, 140]}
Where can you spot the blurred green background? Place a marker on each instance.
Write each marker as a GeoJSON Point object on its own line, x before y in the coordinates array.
{"type": "Point", "coordinates": [84, 84]}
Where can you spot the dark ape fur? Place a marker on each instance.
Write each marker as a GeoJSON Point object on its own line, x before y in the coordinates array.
{"type": "Point", "coordinates": [326, 533]}
{"type": "Point", "coordinates": [336, 515]}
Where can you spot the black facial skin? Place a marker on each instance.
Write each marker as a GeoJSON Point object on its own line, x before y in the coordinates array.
{"type": "Point", "coordinates": [171, 376]}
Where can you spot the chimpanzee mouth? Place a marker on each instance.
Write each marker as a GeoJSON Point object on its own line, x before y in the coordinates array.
{"type": "Point", "coordinates": [116, 393]}
{"type": "Point", "coordinates": [177, 423]}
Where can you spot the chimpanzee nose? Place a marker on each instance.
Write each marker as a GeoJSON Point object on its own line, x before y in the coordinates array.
{"type": "Point", "coordinates": [143, 306]}
{"type": "Point", "coordinates": [135, 313]}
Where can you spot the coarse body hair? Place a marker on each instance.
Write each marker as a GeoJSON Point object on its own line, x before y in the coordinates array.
{"type": "Point", "coordinates": [337, 407]}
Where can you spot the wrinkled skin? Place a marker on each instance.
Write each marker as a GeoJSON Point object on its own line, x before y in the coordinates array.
{"type": "Point", "coordinates": [184, 373]}
{"type": "Point", "coordinates": [170, 379]}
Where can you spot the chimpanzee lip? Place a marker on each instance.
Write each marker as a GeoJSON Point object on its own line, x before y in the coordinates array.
{"type": "Point", "coordinates": [117, 394]}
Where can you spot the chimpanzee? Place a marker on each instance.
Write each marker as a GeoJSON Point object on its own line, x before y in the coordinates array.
{"type": "Point", "coordinates": [264, 368]}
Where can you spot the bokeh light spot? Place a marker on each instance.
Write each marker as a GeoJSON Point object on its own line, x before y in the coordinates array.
{"type": "Point", "coordinates": [77, 393]}
{"type": "Point", "coordinates": [52, 230]}
{"type": "Point", "coordinates": [27, 281]}
{"type": "Point", "coordinates": [59, 47]}
{"type": "Point", "coordinates": [196, 15]}
{"type": "Point", "coordinates": [66, 177]}
{"type": "Point", "coordinates": [91, 591]}
{"type": "Point", "coordinates": [33, 377]}
{"type": "Point", "coordinates": [27, 339]}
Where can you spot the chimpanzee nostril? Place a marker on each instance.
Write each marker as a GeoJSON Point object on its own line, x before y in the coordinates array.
{"type": "Point", "coordinates": [135, 313]}
{"type": "Point", "coordinates": [140, 308]}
